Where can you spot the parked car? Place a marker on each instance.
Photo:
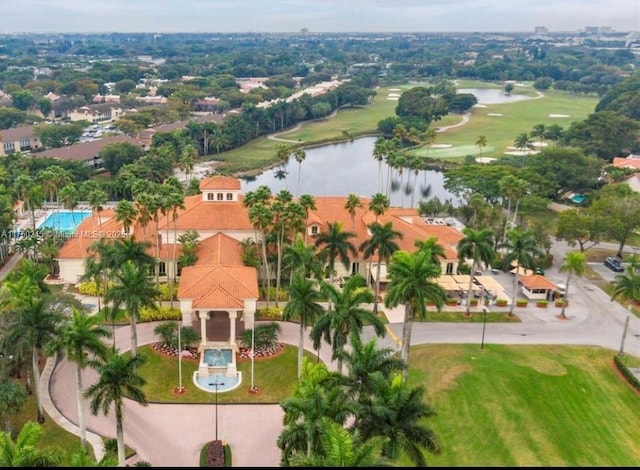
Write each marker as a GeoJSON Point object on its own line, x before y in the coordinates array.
{"type": "Point", "coordinates": [614, 264]}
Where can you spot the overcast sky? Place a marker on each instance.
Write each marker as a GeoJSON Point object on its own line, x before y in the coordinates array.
{"type": "Point", "coordinates": [316, 15]}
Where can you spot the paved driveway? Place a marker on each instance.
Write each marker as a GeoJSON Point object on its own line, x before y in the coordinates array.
{"type": "Point", "coordinates": [172, 435]}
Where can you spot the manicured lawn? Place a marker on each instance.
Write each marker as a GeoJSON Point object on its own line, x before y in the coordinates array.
{"type": "Point", "coordinates": [528, 406]}
{"type": "Point", "coordinates": [275, 377]}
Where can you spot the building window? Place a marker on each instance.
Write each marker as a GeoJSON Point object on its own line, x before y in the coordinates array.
{"type": "Point", "coordinates": [210, 197]}
{"type": "Point", "coordinates": [314, 230]}
{"type": "Point", "coordinates": [449, 268]}
{"type": "Point", "coordinates": [162, 268]}
{"type": "Point", "coordinates": [229, 196]}
{"type": "Point", "coordinates": [220, 196]}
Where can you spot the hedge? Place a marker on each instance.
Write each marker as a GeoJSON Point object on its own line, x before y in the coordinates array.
{"type": "Point", "coordinates": [626, 373]}
{"type": "Point", "coordinates": [163, 313]}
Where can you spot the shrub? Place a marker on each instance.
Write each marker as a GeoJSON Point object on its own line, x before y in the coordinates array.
{"type": "Point", "coordinates": [90, 288]}
{"type": "Point", "coordinates": [522, 302]}
{"type": "Point", "coordinates": [501, 302]}
{"type": "Point", "coordinates": [473, 302]}
{"type": "Point", "coordinates": [282, 294]}
{"type": "Point", "coordinates": [626, 373]}
{"type": "Point", "coordinates": [162, 313]}
{"type": "Point", "coordinates": [167, 290]}
{"type": "Point", "coordinates": [271, 313]}
{"type": "Point", "coordinates": [542, 303]}
{"type": "Point", "coordinates": [266, 335]}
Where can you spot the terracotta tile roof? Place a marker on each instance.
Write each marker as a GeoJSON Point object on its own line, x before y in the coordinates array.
{"type": "Point", "coordinates": [218, 286]}
{"type": "Point", "coordinates": [17, 133]}
{"type": "Point", "coordinates": [632, 163]}
{"type": "Point", "coordinates": [219, 249]}
{"type": "Point", "coordinates": [220, 182]}
{"type": "Point", "coordinates": [210, 215]}
{"type": "Point", "coordinates": [536, 281]}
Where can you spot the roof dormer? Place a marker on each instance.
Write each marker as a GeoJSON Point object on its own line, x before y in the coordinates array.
{"type": "Point", "coordinates": [220, 189]}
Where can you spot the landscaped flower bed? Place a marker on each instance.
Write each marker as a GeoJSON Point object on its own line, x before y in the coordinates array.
{"type": "Point", "coordinates": [542, 303]}
{"type": "Point", "coordinates": [522, 303]}
{"type": "Point", "coordinates": [501, 303]}
{"type": "Point", "coordinates": [263, 351]}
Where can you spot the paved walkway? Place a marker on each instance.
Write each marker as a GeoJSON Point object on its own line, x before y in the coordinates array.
{"type": "Point", "coordinates": [172, 435]}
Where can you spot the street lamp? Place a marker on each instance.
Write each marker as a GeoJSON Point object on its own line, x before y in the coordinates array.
{"type": "Point", "coordinates": [216, 384]}
{"type": "Point", "coordinates": [484, 324]}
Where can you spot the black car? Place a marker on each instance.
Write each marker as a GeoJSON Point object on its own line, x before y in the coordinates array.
{"type": "Point", "coordinates": [614, 264]}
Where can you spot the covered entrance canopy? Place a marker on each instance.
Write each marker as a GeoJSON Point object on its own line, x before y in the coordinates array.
{"type": "Point", "coordinates": [492, 287]}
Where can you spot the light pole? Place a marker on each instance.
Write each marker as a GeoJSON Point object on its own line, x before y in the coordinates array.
{"type": "Point", "coordinates": [484, 324]}
{"type": "Point", "coordinates": [216, 384]}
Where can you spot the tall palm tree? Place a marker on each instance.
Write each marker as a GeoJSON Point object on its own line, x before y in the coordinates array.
{"type": "Point", "coordinates": [352, 204]}
{"type": "Point", "coordinates": [433, 246]}
{"type": "Point", "coordinates": [366, 360]}
{"type": "Point", "coordinates": [261, 217]}
{"type": "Point", "coordinates": [301, 259]}
{"type": "Point", "coordinates": [413, 283]}
{"type": "Point", "coordinates": [24, 452]}
{"type": "Point", "coordinates": [35, 324]}
{"type": "Point", "coordinates": [336, 245]}
{"type": "Point", "coordinates": [379, 204]}
{"type": "Point", "coordinates": [379, 152]}
{"type": "Point", "coordinates": [32, 195]}
{"type": "Point", "coordinates": [118, 377]}
{"type": "Point", "coordinates": [539, 131]}
{"type": "Point", "coordinates": [187, 160]}
{"type": "Point", "coordinates": [315, 397]}
{"type": "Point", "coordinates": [627, 285]}
{"type": "Point", "coordinates": [176, 200]}
{"type": "Point", "coordinates": [126, 213]}
{"type": "Point", "coordinates": [81, 339]}
{"type": "Point", "coordinates": [304, 306]}
{"type": "Point", "coordinates": [346, 317]}
{"type": "Point", "coordinates": [299, 154]}
{"type": "Point", "coordinates": [476, 245]}
{"type": "Point", "coordinates": [523, 143]}
{"type": "Point", "coordinates": [342, 448]}
{"type": "Point", "coordinates": [574, 264]}
{"type": "Point", "coordinates": [481, 142]}
{"type": "Point", "coordinates": [133, 289]}
{"type": "Point", "coordinates": [70, 198]}
{"type": "Point", "coordinates": [398, 412]}
{"type": "Point", "coordinates": [520, 249]}
{"type": "Point", "coordinates": [97, 199]}
{"type": "Point", "coordinates": [382, 243]}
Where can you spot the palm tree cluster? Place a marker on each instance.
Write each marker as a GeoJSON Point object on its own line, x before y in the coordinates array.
{"type": "Point", "coordinates": [37, 323]}
{"type": "Point", "coordinates": [368, 417]}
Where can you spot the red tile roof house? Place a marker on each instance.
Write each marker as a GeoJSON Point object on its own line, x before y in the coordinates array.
{"type": "Point", "coordinates": [219, 289]}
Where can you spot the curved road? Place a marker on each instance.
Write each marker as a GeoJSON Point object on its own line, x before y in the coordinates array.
{"type": "Point", "coordinates": [172, 435]}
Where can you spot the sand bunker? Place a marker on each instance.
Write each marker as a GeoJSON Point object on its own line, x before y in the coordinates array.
{"type": "Point", "coordinates": [441, 146]}
{"type": "Point", "coordinates": [485, 160]}
{"type": "Point", "coordinates": [522, 152]}
{"type": "Point", "coordinates": [539, 144]}
{"type": "Point", "coordinates": [394, 95]}
{"type": "Point", "coordinates": [393, 98]}
{"type": "Point", "coordinates": [479, 106]}
{"type": "Point", "coordinates": [559, 115]}
{"type": "Point", "coordinates": [393, 89]}
{"type": "Point", "coordinates": [494, 114]}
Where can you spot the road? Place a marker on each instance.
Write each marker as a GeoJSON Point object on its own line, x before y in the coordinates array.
{"type": "Point", "coordinates": [172, 435]}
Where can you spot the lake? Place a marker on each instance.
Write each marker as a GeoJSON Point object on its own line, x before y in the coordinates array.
{"type": "Point", "coordinates": [349, 167]}
{"type": "Point", "coordinates": [493, 96]}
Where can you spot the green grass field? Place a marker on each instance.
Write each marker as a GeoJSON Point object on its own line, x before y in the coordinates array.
{"type": "Point", "coordinates": [517, 117]}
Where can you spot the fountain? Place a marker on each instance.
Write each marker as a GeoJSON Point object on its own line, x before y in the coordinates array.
{"type": "Point", "coordinates": [217, 365]}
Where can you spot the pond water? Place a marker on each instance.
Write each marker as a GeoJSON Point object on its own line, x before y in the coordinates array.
{"type": "Point", "coordinates": [349, 167]}
{"type": "Point", "coordinates": [493, 96]}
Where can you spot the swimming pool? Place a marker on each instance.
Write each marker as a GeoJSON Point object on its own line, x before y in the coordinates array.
{"type": "Point", "coordinates": [64, 220]}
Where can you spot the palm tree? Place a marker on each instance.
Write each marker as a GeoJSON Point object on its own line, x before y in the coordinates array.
{"type": "Point", "coordinates": [126, 214]}
{"type": "Point", "coordinates": [133, 289]}
{"type": "Point", "coordinates": [315, 397]}
{"type": "Point", "coordinates": [32, 195]}
{"type": "Point", "coordinates": [118, 377]}
{"type": "Point", "coordinates": [347, 316]}
{"type": "Point", "coordinates": [299, 154]}
{"type": "Point", "coordinates": [187, 160]}
{"type": "Point", "coordinates": [336, 246]}
{"type": "Point", "coordinates": [412, 282]}
{"type": "Point", "coordinates": [70, 198]}
{"type": "Point", "coordinates": [261, 217]}
{"type": "Point", "coordinates": [35, 325]}
{"type": "Point", "coordinates": [97, 199]}
{"type": "Point", "coordinates": [481, 142]}
{"type": "Point", "coordinates": [23, 452]}
{"type": "Point", "coordinates": [301, 259]}
{"type": "Point", "coordinates": [353, 203]}
{"type": "Point", "coordinates": [575, 264]}
{"type": "Point", "coordinates": [398, 412]}
{"type": "Point", "coordinates": [379, 152]}
{"type": "Point", "coordinates": [627, 285]}
{"type": "Point", "coordinates": [303, 305]}
{"type": "Point", "coordinates": [383, 244]}
{"type": "Point", "coordinates": [523, 143]}
{"type": "Point", "coordinates": [366, 360]}
{"type": "Point", "coordinates": [476, 245]}
{"type": "Point", "coordinates": [81, 338]}
{"type": "Point", "coordinates": [379, 204]}
{"type": "Point", "coordinates": [435, 249]}
{"type": "Point", "coordinates": [342, 448]}
{"type": "Point", "coordinates": [520, 249]}
{"type": "Point", "coordinates": [539, 131]}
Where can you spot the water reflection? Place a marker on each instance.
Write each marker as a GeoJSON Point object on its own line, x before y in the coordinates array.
{"type": "Point", "coordinates": [349, 167]}
{"type": "Point", "coordinates": [493, 96]}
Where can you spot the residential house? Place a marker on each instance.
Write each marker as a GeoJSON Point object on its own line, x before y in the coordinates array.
{"type": "Point", "coordinates": [18, 139]}
{"type": "Point", "coordinates": [96, 113]}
